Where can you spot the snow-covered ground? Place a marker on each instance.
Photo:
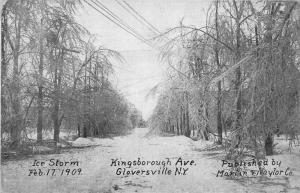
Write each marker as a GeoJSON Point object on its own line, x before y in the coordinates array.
{"type": "Point", "coordinates": [98, 176]}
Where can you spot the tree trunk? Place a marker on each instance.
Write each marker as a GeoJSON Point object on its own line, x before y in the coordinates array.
{"type": "Point", "coordinates": [177, 126]}
{"type": "Point", "coordinates": [267, 111]}
{"type": "Point", "coordinates": [56, 108]}
{"type": "Point", "coordinates": [3, 64]}
{"type": "Point", "coordinates": [40, 92]}
{"type": "Point", "coordinates": [219, 110]}
{"type": "Point", "coordinates": [188, 131]}
{"type": "Point", "coordinates": [57, 88]}
{"type": "Point", "coordinates": [269, 145]}
{"type": "Point", "coordinates": [3, 42]}
{"type": "Point", "coordinates": [181, 120]}
{"type": "Point", "coordinates": [238, 73]}
{"type": "Point", "coordinates": [219, 114]}
{"type": "Point", "coordinates": [16, 105]}
{"type": "Point", "coordinates": [55, 120]}
{"type": "Point", "coordinates": [193, 131]}
{"type": "Point", "coordinates": [84, 131]}
{"type": "Point", "coordinates": [85, 102]}
{"type": "Point", "coordinates": [78, 129]}
{"type": "Point", "coordinates": [205, 133]}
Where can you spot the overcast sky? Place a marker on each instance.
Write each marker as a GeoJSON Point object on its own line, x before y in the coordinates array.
{"type": "Point", "coordinates": [142, 69]}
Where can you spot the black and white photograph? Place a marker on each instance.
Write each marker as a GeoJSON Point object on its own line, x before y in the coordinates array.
{"type": "Point", "coordinates": [150, 96]}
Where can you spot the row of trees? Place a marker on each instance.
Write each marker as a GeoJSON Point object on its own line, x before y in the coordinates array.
{"type": "Point", "coordinates": [238, 75]}
{"type": "Point", "coordinates": [54, 77]}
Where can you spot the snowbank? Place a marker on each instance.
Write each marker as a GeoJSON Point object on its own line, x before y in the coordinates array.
{"type": "Point", "coordinates": [83, 142]}
{"type": "Point", "coordinates": [90, 141]}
